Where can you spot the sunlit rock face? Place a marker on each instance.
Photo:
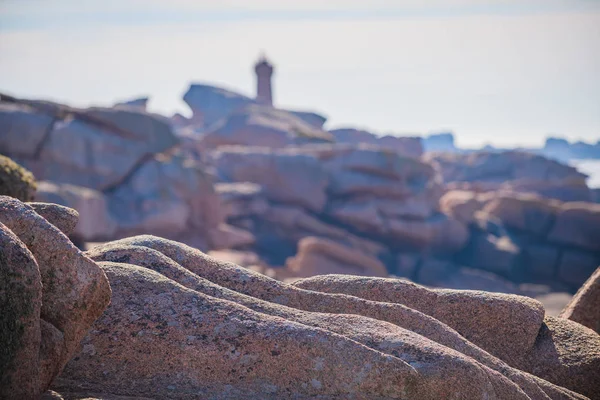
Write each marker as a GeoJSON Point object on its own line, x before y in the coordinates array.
{"type": "Point", "coordinates": [182, 324]}
{"type": "Point", "coordinates": [122, 168]}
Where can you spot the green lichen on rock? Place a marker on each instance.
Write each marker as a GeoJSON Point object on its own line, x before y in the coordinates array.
{"type": "Point", "coordinates": [16, 181]}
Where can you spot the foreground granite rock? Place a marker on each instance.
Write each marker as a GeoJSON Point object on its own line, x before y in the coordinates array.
{"type": "Point", "coordinates": [478, 316]}
{"type": "Point", "coordinates": [184, 325]}
{"type": "Point", "coordinates": [566, 353]}
{"type": "Point", "coordinates": [584, 308]}
{"type": "Point", "coordinates": [50, 294]}
{"type": "Point", "coordinates": [20, 336]}
{"type": "Point", "coordinates": [555, 349]}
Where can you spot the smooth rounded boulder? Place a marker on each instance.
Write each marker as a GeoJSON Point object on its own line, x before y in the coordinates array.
{"type": "Point", "coordinates": [444, 361]}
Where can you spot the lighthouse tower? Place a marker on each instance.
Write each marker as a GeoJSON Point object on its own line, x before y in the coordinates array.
{"type": "Point", "coordinates": [264, 91]}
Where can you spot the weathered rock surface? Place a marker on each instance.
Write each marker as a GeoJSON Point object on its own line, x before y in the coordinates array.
{"type": "Point", "coordinates": [258, 355]}
{"type": "Point", "coordinates": [50, 294]}
{"type": "Point", "coordinates": [554, 349]}
{"type": "Point", "coordinates": [216, 330]}
{"type": "Point", "coordinates": [584, 307]}
{"type": "Point", "coordinates": [567, 354]}
{"type": "Point", "coordinates": [172, 195]}
{"type": "Point", "coordinates": [478, 316]}
{"type": "Point", "coordinates": [20, 304]}
{"type": "Point", "coordinates": [64, 218]}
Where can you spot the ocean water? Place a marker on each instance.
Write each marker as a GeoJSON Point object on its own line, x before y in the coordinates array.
{"type": "Point", "coordinates": [590, 168]}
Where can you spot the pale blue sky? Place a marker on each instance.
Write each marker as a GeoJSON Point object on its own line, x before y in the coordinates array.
{"type": "Point", "coordinates": [506, 72]}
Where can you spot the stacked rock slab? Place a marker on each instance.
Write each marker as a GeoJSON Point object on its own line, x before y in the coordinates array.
{"type": "Point", "coordinates": [122, 168]}
{"type": "Point", "coordinates": [50, 294]}
{"type": "Point", "coordinates": [408, 146]}
{"type": "Point", "coordinates": [526, 237]}
{"type": "Point", "coordinates": [212, 105]}
{"type": "Point", "coordinates": [374, 194]}
{"type": "Point", "coordinates": [95, 148]}
{"type": "Point", "coordinates": [259, 125]}
{"type": "Point", "coordinates": [184, 325]}
{"type": "Point", "coordinates": [515, 171]}
{"type": "Point", "coordinates": [321, 256]}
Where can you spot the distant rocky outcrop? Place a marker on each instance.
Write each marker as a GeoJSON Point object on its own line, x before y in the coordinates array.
{"type": "Point", "coordinates": [184, 325]}
{"type": "Point", "coordinates": [562, 149]}
{"type": "Point", "coordinates": [259, 125]}
{"type": "Point", "coordinates": [526, 237]}
{"type": "Point", "coordinates": [96, 148]}
{"type": "Point", "coordinates": [406, 145]}
{"type": "Point", "coordinates": [50, 294]}
{"type": "Point", "coordinates": [140, 103]}
{"type": "Point", "coordinates": [211, 104]}
{"type": "Point", "coordinates": [354, 195]}
{"type": "Point", "coordinates": [515, 171]}
{"type": "Point", "coordinates": [387, 208]}
{"type": "Point", "coordinates": [122, 168]}
{"type": "Point", "coordinates": [250, 179]}
{"type": "Point", "coordinates": [440, 142]}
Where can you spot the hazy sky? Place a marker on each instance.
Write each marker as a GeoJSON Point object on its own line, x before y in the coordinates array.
{"type": "Point", "coordinates": [494, 71]}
